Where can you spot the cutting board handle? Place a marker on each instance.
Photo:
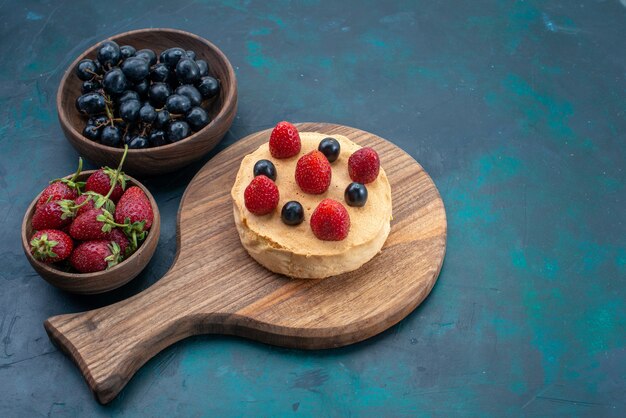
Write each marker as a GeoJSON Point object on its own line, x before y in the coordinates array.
{"type": "Point", "coordinates": [110, 344]}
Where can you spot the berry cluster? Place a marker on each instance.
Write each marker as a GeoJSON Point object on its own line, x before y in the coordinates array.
{"type": "Point", "coordinates": [330, 220]}
{"type": "Point", "coordinates": [94, 225]}
{"type": "Point", "coordinates": [131, 97]}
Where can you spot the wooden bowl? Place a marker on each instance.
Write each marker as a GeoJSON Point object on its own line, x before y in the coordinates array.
{"type": "Point", "coordinates": [166, 158]}
{"type": "Point", "coordinates": [102, 281]}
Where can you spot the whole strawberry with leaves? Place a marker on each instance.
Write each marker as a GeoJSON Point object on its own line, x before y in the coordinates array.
{"type": "Point", "coordinates": [134, 214]}
{"type": "Point", "coordinates": [102, 180]}
{"type": "Point", "coordinates": [96, 222]}
{"type": "Point", "coordinates": [51, 246]}
{"type": "Point", "coordinates": [92, 225]}
{"type": "Point", "coordinates": [62, 189]}
{"type": "Point", "coordinates": [53, 215]}
{"type": "Point", "coordinates": [92, 256]}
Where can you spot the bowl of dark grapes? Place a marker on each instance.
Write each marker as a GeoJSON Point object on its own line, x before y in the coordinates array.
{"type": "Point", "coordinates": [169, 95]}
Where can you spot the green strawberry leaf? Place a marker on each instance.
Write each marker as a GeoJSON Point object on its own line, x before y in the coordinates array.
{"type": "Point", "coordinates": [121, 178]}
{"type": "Point", "coordinates": [68, 209]}
{"type": "Point", "coordinates": [41, 248]}
{"type": "Point", "coordinates": [115, 256]}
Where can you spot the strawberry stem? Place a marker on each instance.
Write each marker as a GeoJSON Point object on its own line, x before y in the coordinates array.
{"type": "Point", "coordinates": [78, 170]}
{"type": "Point", "coordinates": [83, 203]}
{"type": "Point", "coordinates": [110, 222]}
{"type": "Point", "coordinates": [72, 182]}
{"type": "Point", "coordinates": [117, 173]}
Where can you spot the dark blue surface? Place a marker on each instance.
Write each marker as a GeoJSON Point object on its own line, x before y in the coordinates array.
{"type": "Point", "coordinates": [517, 111]}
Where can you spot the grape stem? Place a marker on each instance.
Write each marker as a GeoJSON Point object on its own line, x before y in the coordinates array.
{"type": "Point", "coordinates": [107, 101]}
{"type": "Point", "coordinates": [95, 75]}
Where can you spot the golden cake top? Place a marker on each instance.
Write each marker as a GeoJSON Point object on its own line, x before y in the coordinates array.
{"type": "Point", "coordinates": [366, 222]}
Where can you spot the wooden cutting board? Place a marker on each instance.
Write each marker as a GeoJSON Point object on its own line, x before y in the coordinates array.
{"type": "Point", "coordinates": [214, 286]}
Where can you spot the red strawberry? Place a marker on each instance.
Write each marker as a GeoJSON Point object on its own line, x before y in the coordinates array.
{"type": "Point", "coordinates": [56, 191]}
{"type": "Point", "coordinates": [261, 196]}
{"type": "Point", "coordinates": [92, 256]}
{"type": "Point", "coordinates": [53, 215]}
{"type": "Point", "coordinates": [135, 191]}
{"type": "Point", "coordinates": [51, 245]}
{"type": "Point", "coordinates": [91, 225]}
{"type": "Point", "coordinates": [135, 206]}
{"type": "Point", "coordinates": [284, 140]}
{"type": "Point", "coordinates": [116, 235]}
{"type": "Point", "coordinates": [363, 165]}
{"type": "Point", "coordinates": [330, 221]}
{"type": "Point", "coordinates": [313, 172]}
{"type": "Point", "coordinates": [101, 181]}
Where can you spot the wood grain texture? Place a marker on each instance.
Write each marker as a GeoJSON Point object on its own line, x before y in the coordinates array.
{"type": "Point", "coordinates": [167, 158]}
{"type": "Point", "coordinates": [215, 287]}
{"type": "Point", "coordinates": [101, 281]}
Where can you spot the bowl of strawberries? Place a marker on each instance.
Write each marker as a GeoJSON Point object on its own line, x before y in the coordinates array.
{"type": "Point", "coordinates": [92, 231]}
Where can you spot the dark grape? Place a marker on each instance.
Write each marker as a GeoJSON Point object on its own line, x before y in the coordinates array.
{"type": "Point", "coordinates": [98, 66]}
{"type": "Point", "coordinates": [356, 194]}
{"type": "Point", "coordinates": [109, 54]}
{"type": "Point", "coordinates": [160, 73]}
{"type": "Point", "coordinates": [135, 69]}
{"type": "Point", "coordinates": [266, 168]}
{"type": "Point", "coordinates": [147, 54]}
{"type": "Point", "coordinates": [157, 138]}
{"type": "Point", "coordinates": [147, 114]}
{"type": "Point", "coordinates": [177, 103]}
{"type": "Point", "coordinates": [91, 132]}
{"type": "Point", "coordinates": [114, 81]}
{"type": "Point", "coordinates": [111, 136]}
{"type": "Point", "coordinates": [203, 67]}
{"type": "Point", "coordinates": [138, 142]}
{"type": "Point", "coordinates": [129, 110]}
{"type": "Point", "coordinates": [197, 118]}
{"type": "Point", "coordinates": [127, 51]}
{"type": "Point", "coordinates": [191, 93]}
{"type": "Point", "coordinates": [86, 69]}
{"type": "Point", "coordinates": [162, 119]}
{"type": "Point", "coordinates": [127, 95]}
{"type": "Point", "coordinates": [208, 87]}
{"type": "Point", "coordinates": [89, 86]}
{"type": "Point", "coordinates": [178, 130]}
{"type": "Point", "coordinates": [292, 213]}
{"type": "Point", "coordinates": [170, 57]}
{"type": "Point", "coordinates": [91, 103]}
{"type": "Point", "coordinates": [142, 88]}
{"type": "Point", "coordinates": [158, 93]}
{"type": "Point", "coordinates": [187, 71]}
{"type": "Point", "coordinates": [330, 148]}
{"type": "Point", "coordinates": [191, 54]}
{"type": "Point", "coordinates": [129, 135]}
{"type": "Point", "coordinates": [173, 81]}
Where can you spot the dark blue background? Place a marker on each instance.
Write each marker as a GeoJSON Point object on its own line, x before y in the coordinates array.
{"type": "Point", "coordinates": [517, 111]}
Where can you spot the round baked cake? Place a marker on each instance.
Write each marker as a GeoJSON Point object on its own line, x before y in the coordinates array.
{"type": "Point", "coordinates": [297, 250]}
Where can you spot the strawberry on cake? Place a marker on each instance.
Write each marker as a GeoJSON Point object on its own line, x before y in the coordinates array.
{"type": "Point", "coordinates": [311, 206]}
